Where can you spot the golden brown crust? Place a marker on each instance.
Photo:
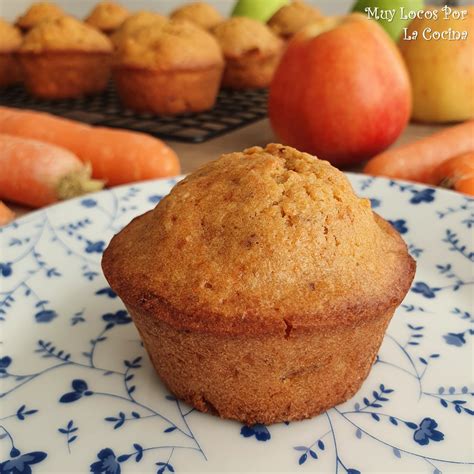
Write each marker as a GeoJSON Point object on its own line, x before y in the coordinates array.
{"type": "Point", "coordinates": [200, 13]}
{"type": "Point", "coordinates": [65, 34]}
{"type": "Point", "coordinates": [174, 45]}
{"type": "Point", "coordinates": [251, 71]}
{"type": "Point", "coordinates": [107, 16]}
{"type": "Point", "coordinates": [257, 242]}
{"type": "Point", "coordinates": [289, 19]}
{"type": "Point", "coordinates": [136, 22]}
{"type": "Point", "coordinates": [10, 72]}
{"type": "Point", "coordinates": [37, 13]}
{"type": "Point", "coordinates": [168, 93]}
{"type": "Point", "coordinates": [239, 36]}
{"type": "Point", "coordinates": [263, 379]}
{"type": "Point", "coordinates": [65, 74]}
{"type": "Point", "coordinates": [10, 37]}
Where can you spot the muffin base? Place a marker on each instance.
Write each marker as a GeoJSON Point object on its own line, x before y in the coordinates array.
{"type": "Point", "coordinates": [65, 74]}
{"type": "Point", "coordinates": [10, 72]}
{"type": "Point", "coordinates": [251, 71]}
{"type": "Point", "coordinates": [263, 379]}
{"type": "Point", "coordinates": [168, 93]}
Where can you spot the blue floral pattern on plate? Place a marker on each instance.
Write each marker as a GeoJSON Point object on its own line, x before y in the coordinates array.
{"type": "Point", "coordinates": [78, 393]}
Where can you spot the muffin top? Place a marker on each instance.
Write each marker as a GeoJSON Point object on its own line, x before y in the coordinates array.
{"type": "Point", "coordinates": [199, 13]}
{"type": "Point", "coordinates": [265, 240]}
{"type": "Point", "coordinates": [289, 19]}
{"type": "Point", "coordinates": [65, 34]}
{"type": "Point", "coordinates": [10, 37]}
{"type": "Point", "coordinates": [136, 22]}
{"type": "Point", "coordinates": [240, 35]}
{"type": "Point", "coordinates": [37, 13]}
{"type": "Point", "coordinates": [107, 16]}
{"type": "Point", "coordinates": [174, 44]}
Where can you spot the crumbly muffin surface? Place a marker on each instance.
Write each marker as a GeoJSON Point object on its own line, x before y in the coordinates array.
{"type": "Point", "coordinates": [240, 35]}
{"type": "Point", "coordinates": [200, 13]}
{"type": "Point", "coordinates": [107, 16]}
{"type": "Point", "coordinates": [289, 19]}
{"type": "Point", "coordinates": [175, 44]}
{"type": "Point", "coordinates": [65, 34]}
{"type": "Point", "coordinates": [135, 23]}
{"type": "Point", "coordinates": [271, 237]}
{"type": "Point", "coordinates": [10, 37]}
{"type": "Point", "coordinates": [37, 13]}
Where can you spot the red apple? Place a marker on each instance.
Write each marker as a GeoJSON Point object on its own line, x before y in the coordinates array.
{"type": "Point", "coordinates": [341, 91]}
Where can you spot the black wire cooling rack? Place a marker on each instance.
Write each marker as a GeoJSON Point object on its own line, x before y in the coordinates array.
{"type": "Point", "coordinates": [233, 109]}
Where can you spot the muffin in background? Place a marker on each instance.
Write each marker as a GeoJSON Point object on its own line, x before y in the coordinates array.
{"type": "Point", "coordinates": [107, 17]}
{"type": "Point", "coordinates": [289, 19]}
{"type": "Point", "coordinates": [135, 23]}
{"type": "Point", "coordinates": [200, 13]}
{"type": "Point", "coordinates": [37, 13]}
{"type": "Point", "coordinates": [65, 58]}
{"type": "Point", "coordinates": [168, 69]}
{"type": "Point", "coordinates": [251, 51]}
{"type": "Point", "coordinates": [261, 286]}
{"type": "Point", "coordinates": [10, 41]}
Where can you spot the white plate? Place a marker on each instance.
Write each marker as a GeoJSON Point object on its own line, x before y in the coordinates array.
{"type": "Point", "coordinates": [79, 394]}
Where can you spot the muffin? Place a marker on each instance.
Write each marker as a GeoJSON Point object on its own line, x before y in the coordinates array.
{"type": "Point", "coordinates": [65, 58]}
{"type": "Point", "coordinates": [261, 285]}
{"type": "Point", "coordinates": [135, 23]}
{"type": "Point", "coordinates": [199, 13]}
{"type": "Point", "coordinates": [168, 69]}
{"type": "Point", "coordinates": [10, 41]}
{"type": "Point", "coordinates": [107, 17]}
{"type": "Point", "coordinates": [251, 53]}
{"type": "Point", "coordinates": [289, 19]}
{"type": "Point", "coordinates": [37, 13]}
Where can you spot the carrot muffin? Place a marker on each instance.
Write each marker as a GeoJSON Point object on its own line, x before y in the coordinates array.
{"type": "Point", "coordinates": [10, 41]}
{"type": "Point", "coordinates": [169, 69]}
{"type": "Point", "coordinates": [107, 16]}
{"type": "Point", "coordinates": [37, 13]}
{"type": "Point", "coordinates": [200, 13]}
{"type": "Point", "coordinates": [251, 53]}
{"type": "Point", "coordinates": [289, 19]}
{"type": "Point", "coordinates": [135, 23]}
{"type": "Point", "coordinates": [261, 285]}
{"type": "Point", "coordinates": [65, 58]}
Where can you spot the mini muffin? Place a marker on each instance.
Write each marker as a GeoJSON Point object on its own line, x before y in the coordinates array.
{"type": "Point", "coordinates": [251, 52]}
{"type": "Point", "coordinates": [37, 13]}
{"type": "Point", "coordinates": [10, 41]}
{"type": "Point", "coordinates": [107, 17]}
{"type": "Point", "coordinates": [65, 58]}
{"type": "Point", "coordinates": [289, 19]}
{"type": "Point", "coordinates": [169, 69]}
{"type": "Point", "coordinates": [200, 13]}
{"type": "Point", "coordinates": [261, 285]}
{"type": "Point", "coordinates": [135, 23]}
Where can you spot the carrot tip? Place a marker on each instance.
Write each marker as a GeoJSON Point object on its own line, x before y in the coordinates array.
{"type": "Point", "coordinates": [77, 183]}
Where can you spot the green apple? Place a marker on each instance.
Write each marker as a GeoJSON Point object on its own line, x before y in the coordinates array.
{"type": "Point", "coordinates": [260, 10]}
{"type": "Point", "coordinates": [393, 15]}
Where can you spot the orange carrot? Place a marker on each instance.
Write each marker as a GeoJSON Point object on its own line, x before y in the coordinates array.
{"type": "Point", "coordinates": [36, 173]}
{"type": "Point", "coordinates": [416, 161]}
{"type": "Point", "coordinates": [117, 156]}
{"type": "Point", "coordinates": [456, 173]}
{"type": "Point", "coordinates": [466, 186]}
{"type": "Point", "coordinates": [6, 214]}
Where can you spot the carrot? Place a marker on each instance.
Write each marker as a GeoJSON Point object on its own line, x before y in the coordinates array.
{"type": "Point", "coordinates": [6, 214]}
{"type": "Point", "coordinates": [416, 161]}
{"type": "Point", "coordinates": [456, 173]}
{"type": "Point", "coordinates": [117, 156]}
{"type": "Point", "coordinates": [36, 173]}
{"type": "Point", "coordinates": [466, 186]}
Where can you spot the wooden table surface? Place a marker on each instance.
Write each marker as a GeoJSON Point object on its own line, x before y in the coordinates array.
{"type": "Point", "coordinates": [194, 155]}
